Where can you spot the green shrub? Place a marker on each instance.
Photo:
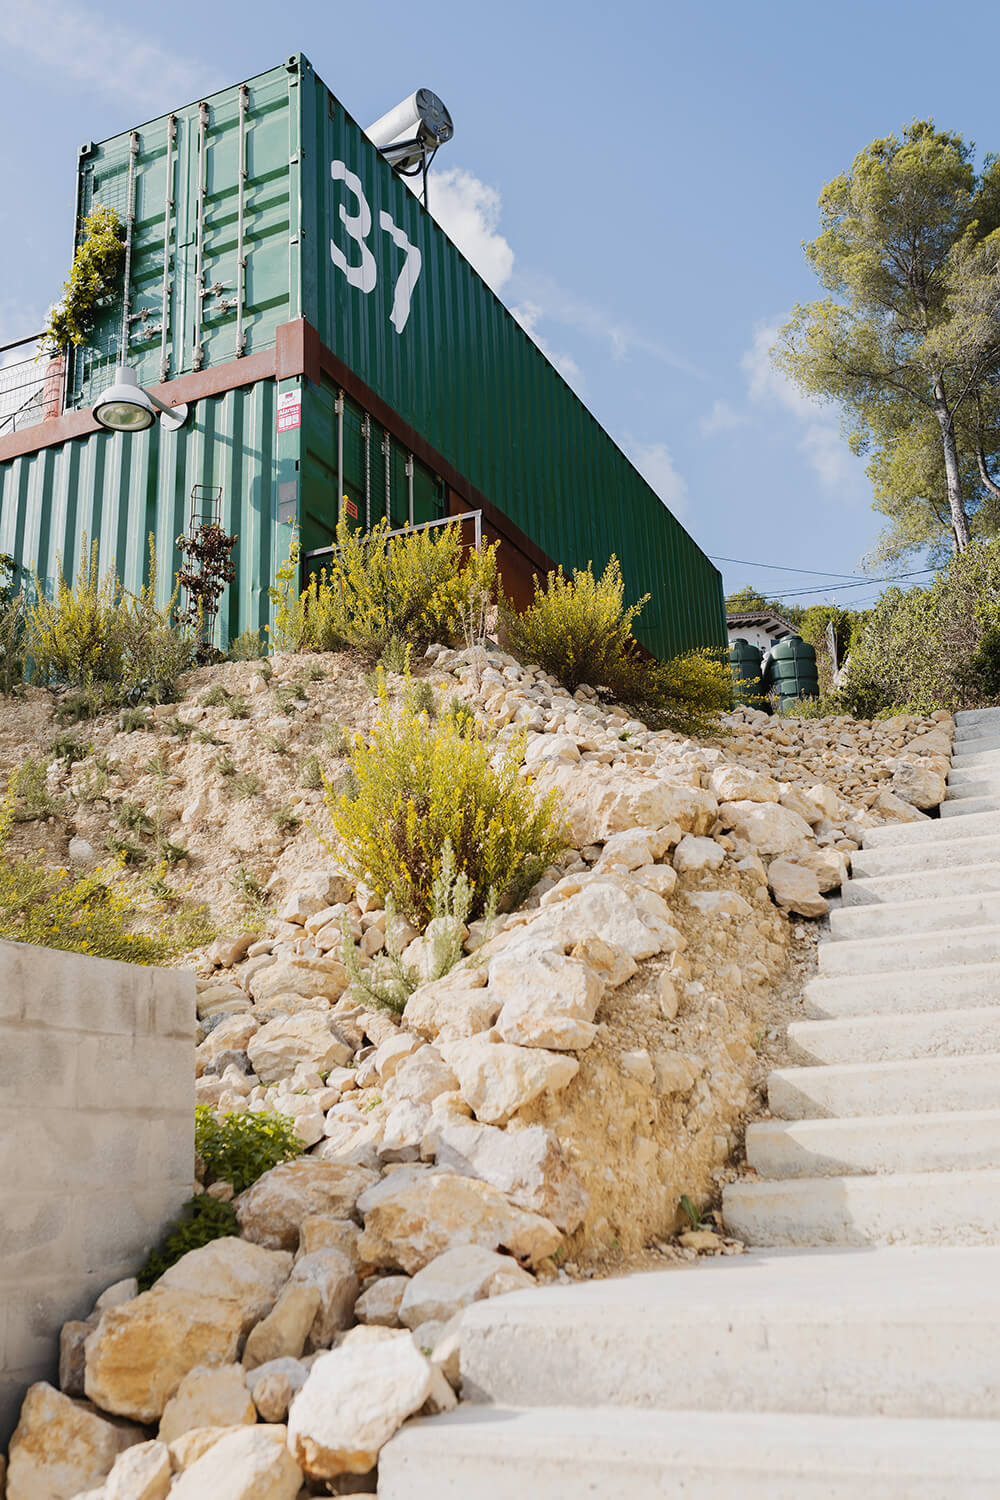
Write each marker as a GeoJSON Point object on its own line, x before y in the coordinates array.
{"type": "Point", "coordinates": [216, 697]}
{"type": "Point", "coordinates": [420, 697]}
{"type": "Point", "coordinates": [76, 707]}
{"type": "Point", "coordinates": [417, 587]}
{"type": "Point", "coordinates": [68, 748]}
{"type": "Point", "coordinates": [247, 646]}
{"type": "Point", "coordinates": [94, 282]}
{"type": "Point", "coordinates": [246, 784]}
{"type": "Point", "coordinates": [29, 796]}
{"type": "Point", "coordinates": [422, 783]}
{"type": "Point", "coordinates": [311, 772]}
{"type": "Point", "coordinates": [132, 719]}
{"type": "Point", "coordinates": [238, 707]}
{"type": "Point", "coordinates": [242, 1147]}
{"type": "Point", "coordinates": [579, 630]}
{"type": "Point", "coordinates": [202, 1220]}
{"type": "Point", "coordinates": [86, 914]}
{"type": "Point", "coordinates": [12, 642]}
{"type": "Point", "coordinates": [285, 821]}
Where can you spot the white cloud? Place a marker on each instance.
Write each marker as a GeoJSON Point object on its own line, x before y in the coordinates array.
{"type": "Point", "coordinates": [528, 314]}
{"type": "Point", "coordinates": [656, 465]}
{"type": "Point", "coordinates": [820, 439]}
{"type": "Point", "coordinates": [469, 211]}
{"type": "Point", "coordinates": [76, 42]}
{"type": "Point", "coordinates": [621, 338]}
{"type": "Point", "coordinates": [722, 418]}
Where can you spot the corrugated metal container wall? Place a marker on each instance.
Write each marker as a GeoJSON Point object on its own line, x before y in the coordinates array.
{"type": "Point", "coordinates": [116, 489]}
{"type": "Point", "coordinates": [402, 307]}
{"type": "Point", "coordinates": [215, 194]}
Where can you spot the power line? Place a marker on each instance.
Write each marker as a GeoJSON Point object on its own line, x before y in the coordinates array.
{"type": "Point", "coordinates": [780, 568]}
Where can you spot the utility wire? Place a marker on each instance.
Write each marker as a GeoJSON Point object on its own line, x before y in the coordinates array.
{"type": "Point", "coordinates": [778, 567]}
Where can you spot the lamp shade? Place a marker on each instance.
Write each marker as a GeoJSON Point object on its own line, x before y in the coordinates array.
{"type": "Point", "coordinates": [124, 406]}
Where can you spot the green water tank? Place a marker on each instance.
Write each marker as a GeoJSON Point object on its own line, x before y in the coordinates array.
{"type": "Point", "coordinates": [745, 664]}
{"type": "Point", "coordinates": [791, 671]}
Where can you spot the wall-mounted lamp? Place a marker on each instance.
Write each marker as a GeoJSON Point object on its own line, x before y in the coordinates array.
{"type": "Point", "coordinates": [126, 407]}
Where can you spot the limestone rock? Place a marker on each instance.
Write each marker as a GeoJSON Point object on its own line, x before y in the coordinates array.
{"type": "Point", "coordinates": [252, 1464]}
{"type": "Point", "coordinates": [447, 1350]}
{"type": "Point", "coordinates": [630, 850]}
{"type": "Point", "coordinates": [731, 783]}
{"type": "Point", "coordinates": [61, 1446]}
{"type": "Point", "coordinates": [497, 1079]}
{"type": "Point", "coordinates": [529, 1166]}
{"type": "Point", "coordinates": [283, 1333]}
{"type": "Point", "coordinates": [354, 1400]}
{"type": "Point", "coordinates": [453, 1280]}
{"type": "Point", "coordinates": [234, 1270]}
{"type": "Point", "coordinates": [272, 1396]}
{"type": "Point", "coordinates": [548, 1001]}
{"type": "Point", "coordinates": [830, 867]}
{"type": "Point", "coordinates": [612, 963]}
{"type": "Point", "coordinates": [403, 1131]}
{"type": "Point", "coordinates": [380, 1304]}
{"type": "Point", "coordinates": [333, 1276]}
{"type": "Point", "coordinates": [896, 809]}
{"type": "Point", "coordinates": [796, 888]}
{"type": "Point", "coordinates": [674, 1074]}
{"type": "Point", "coordinates": [325, 1232]}
{"type": "Point", "coordinates": [72, 1338]}
{"type": "Point", "coordinates": [719, 903]}
{"type": "Point", "coordinates": [325, 978]}
{"type": "Point", "coordinates": [271, 1211]}
{"type": "Point", "coordinates": [190, 1446]}
{"type": "Point", "coordinates": [278, 1048]}
{"type": "Point", "coordinates": [619, 910]}
{"type": "Point", "coordinates": [207, 1397]}
{"type": "Point", "coordinates": [918, 784]}
{"type": "Point", "coordinates": [231, 1035]}
{"type": "Point", "coordinates": [140, 1352]}
{"type": "Point", "coordinates": [435, 1010]}
{"type": "Point", "coordinates": [693, 855]}
{"type": "Point", "coordinates": [421, 1078]}
{"type": "Point", "coordinates": [598, 802]}
{"type": "Point", "coordinates": [770, 828]}
{"type": "Point", "coordinates": [414, 1215]}
{"type": "Point", "coordinates": [140, 1473]}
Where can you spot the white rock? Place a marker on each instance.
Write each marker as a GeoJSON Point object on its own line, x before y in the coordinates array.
{"type": "Point", "coordinates": [497, 1079]}
{"type": "Point", "coordinates": [529, 1166]}
{"type": "Point", "coordinates": [283, 1333]}
{"type": "Point", "coordinates": [234, 1270]}
{"type": "Point", "coordinates": [720, 903]}
{"type": "Point", "coordinates": [61, 1447]}
{"type": "Point", "coordinates": [282, 1044]}
{"type": "Point", "coordinates": [380, 1304]}
{"type": "Point", "coordinates": [548, 1001]}
{"type": "Point", "coordinates": [421, 1077]}
{"type": "Point", "coordinates": [207, 1397]}
{"type": "Point", "coordinates": [354, 1400]}
{"type": "Point", "coordinates": [252, 1464]}
{"type": "Point", "coordinates": [457, 1278]}
{"type": "Point", "coordinates": [693, 855]}
{"type": "Point", "coordinates": [81, 853]}
{"type": "Point", "coordinates": [332, 1274]}
{"type": "Point", "coordinates": [403, 1131]}
{"type": "Point", "coordinates": [771, 829]}
{"type": "Point", "coordinates": [918, 784]}
{"type": "Point", "coordinates": [140, 1473]}
{"type": "Point", "coordinates": [732, 783]}
{"type": "Point", "coordinates": [796, 888]}
{"type": "Point", "coordinates": [441, 1011]}
{"type": "Point", "coordinates": [271, 1211]}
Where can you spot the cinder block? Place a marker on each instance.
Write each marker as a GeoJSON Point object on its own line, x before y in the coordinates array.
{"type": "Point", "coordinates": [65, 1150]}
{"type": "Point", "coordinates": [37, 1238]}
{"type": "Point", "coordinates": [134, 1072]}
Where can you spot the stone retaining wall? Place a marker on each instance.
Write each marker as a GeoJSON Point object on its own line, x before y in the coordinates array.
{"type": "Point", "coordinates": [96, 1139]}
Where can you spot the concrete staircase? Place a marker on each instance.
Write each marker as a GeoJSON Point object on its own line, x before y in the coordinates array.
{"type": "Point", "coordinates": [856, 1348]}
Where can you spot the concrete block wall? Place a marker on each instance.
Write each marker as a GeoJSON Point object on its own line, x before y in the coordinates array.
{"type": "Point", "coordinates": [96, 1140]}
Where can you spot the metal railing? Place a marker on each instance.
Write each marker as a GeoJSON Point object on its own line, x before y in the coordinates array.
{"type": "Point", "coordinates": [30, 389]}
{"type": "Point", "coordinates": [476, 516]}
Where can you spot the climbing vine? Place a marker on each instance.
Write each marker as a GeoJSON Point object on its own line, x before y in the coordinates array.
{"type": "Point", "coordinates": [206, 568]}
{"type": "Point", "coordinates": [94, 282]}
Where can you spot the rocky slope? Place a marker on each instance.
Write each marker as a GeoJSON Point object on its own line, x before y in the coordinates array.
{"type": "Point", "coordinates": [537, 1112]}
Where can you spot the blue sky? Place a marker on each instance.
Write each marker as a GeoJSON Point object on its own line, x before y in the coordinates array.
{"type": "Point", "coordinates": [634, 180]}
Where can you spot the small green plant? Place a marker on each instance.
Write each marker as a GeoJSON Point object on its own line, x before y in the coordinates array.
{"type": "Point", "coordinates": [247, 886]}
{"type": "Point", "coordinates": [12, 642]}
{"type": "Point", "coordinates": [288, 696]}
{"type": "Point", "coordinates": [123, 849]}
{"type": "Point", "coordinates": [203, 1219]}
{"type": "Point", "coordinates": [205, 737]}
{"type": "Point", "coordinates": [180, 728]}
{"type": "Point", "coordinates": [131, 719]}
{"type": "Point", "coordinates": [67, 748]}
{"type": "Point", "coordinates": [247, 646]}
{"type": "Point", "coordinates": [692, 1214]}
{"type": "Point", "coordinates": [463, 714]}
{"type": "Point", "coordinates": [420, 698]}
{"type": "Point", "coordinates": [337, 739]}
{"type": "Point", "coordinates": [265, 669]}
{"type": "Point", "coordinates": [276, 743]}
{"type": "Point", "coordinates": [94, 282]}
{"type": "Point", "coordinates": [225, 765]}
{"type": "Point", "coordinates": [285, 820]}
{"type": "Point", "coordinates": [316, 673]}
{"type": "Point", "coordinates": [396, 655]}
{"type": "Point", "coordinates": [239, 1148]}
{"type": "Point", "coordinates": [31, 798]}
{"type": "Point", "coordinates": [215, 697]}
{"type": "Point", "coordinates": [238, 707]}
{"type": "Point", "coordinates": [91, 783]}
{"type": "Point", "coordinates": [169, 852]}
{"type": "Point", "coordinates": [311, 772]}
{"type": "Point", "coordinates": [76, 707]}
{"type": "Point", "coordinates": [246, 784]}
{"type": "Point", "coordinates": [423, 784]}
{"type": "Point", "coordinates": [375, 681]}
{"type": "Point", "coordinates": [133, 818]}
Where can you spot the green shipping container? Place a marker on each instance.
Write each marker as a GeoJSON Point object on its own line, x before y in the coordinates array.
{"type": "Point", "coordinates": [264, 205]}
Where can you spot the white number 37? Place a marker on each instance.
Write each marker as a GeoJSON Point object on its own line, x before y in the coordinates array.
{"type": "Point", "coordinates": [363, 273]}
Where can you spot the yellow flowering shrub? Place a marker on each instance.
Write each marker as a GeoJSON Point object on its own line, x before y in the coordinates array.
{"type": "Point", "coordinates": [579, 629]}
{"type": "Point", "coordinates": [419, 784]}
{"type": "Point", "coordinates": [418, 586]}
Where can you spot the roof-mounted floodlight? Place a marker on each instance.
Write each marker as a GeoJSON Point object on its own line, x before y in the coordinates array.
{"type": "Point", "coordinates": [126, 407]}
{"type": "Point", "coordinates": [410, 135]}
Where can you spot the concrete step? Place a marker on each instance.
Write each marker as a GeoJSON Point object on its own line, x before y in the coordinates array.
{"type": "Point", "coordinates": [988, 715]}
{"type": "Point", "coordinates": [954, 1141]}
{"type": "Point", "coordinates": [923, 885]}
{"type": "Point", "coordinates": [936, 950]}
{"type": "Point", "coordinates": [972, 783]}
{"type": "Point", "coordinates": [981, 751]}
{"type": "Point", "coordinates": [898, 1208]}
{"type": "Point", "coordinates": [558, 1453]}
{"type": "Point", "coordinates": [911, 859]}
{"type": "Point", "coordinates": [930, 830]}
{"type": "Point", "coordinates": [937, 1033]}
{"type": "Point", "coordinates": [962, 807]}
{"type": "Point", "coordinates": [960, 908]}
{"type": "Point", "coordinates": [902, 990]}
{"type": "Point", "coordinates": [913, 1086]}
{"type": "Point", "coordinates": [970, 775]}
{"type": "Point", "coordinates": [905, 1332]}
